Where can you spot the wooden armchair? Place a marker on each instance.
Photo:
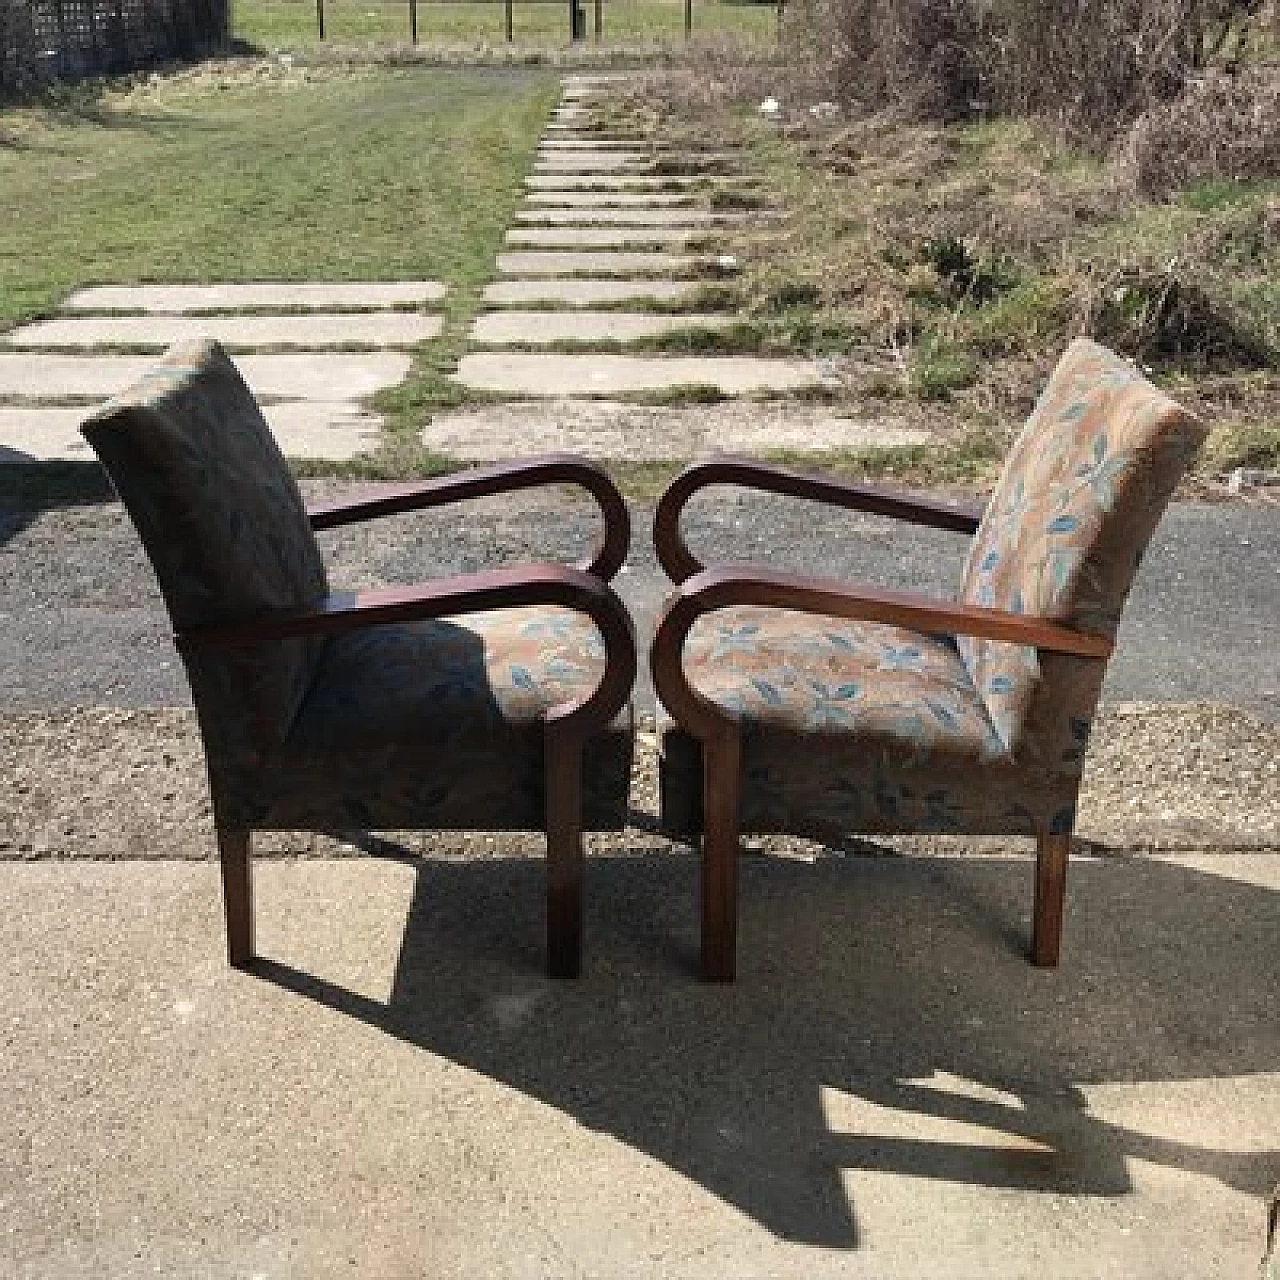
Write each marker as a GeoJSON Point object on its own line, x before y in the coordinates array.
{"type": "Point", "coordinates": [815, 707]}
{"type": "Point", "coordinates": [488, 701]}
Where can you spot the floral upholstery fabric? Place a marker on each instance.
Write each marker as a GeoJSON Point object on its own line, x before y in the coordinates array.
{"type": "Point", "coordinates": [439, 724]}
{"type": "Point", "coordinates": [857, 727]}
{"type": "Point", "coordinates": [432, 724]}
{"type": "Point", "coordinates": [908, 697]}
{"type": "Point", "coordinates": [846, 726]}
{"type": "Point", "coordinates": [1077, 502]}
{"type": "Point", "coordinates": [223, 523]}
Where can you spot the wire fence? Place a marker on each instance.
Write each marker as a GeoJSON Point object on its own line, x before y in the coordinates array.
{"type": "Point", "coordinates": [44, 40]}
{"type": "Point", "coordinates": [277, 24]}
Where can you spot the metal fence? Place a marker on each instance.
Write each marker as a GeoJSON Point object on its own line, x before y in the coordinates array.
{"type": "Point", "coordinates": [43, 40]}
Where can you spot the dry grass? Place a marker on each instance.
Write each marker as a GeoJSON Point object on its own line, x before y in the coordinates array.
{"type": "Point", "coordinates": [960, 258]}
{"type": "Point", "coordinates": [1092, 66]}
{"type": "Point", "coordinates": [1225, 126]}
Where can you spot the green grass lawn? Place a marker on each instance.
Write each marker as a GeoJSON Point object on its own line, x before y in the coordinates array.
{"type": "Point", "coordinates": [241, 176]}
{"type": "Point", "coordinates": [292, 24]}
{"type": "Point", "coordinates": [250, 172]}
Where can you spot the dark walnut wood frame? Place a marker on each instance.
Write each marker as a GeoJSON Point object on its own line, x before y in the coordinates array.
{"type": "Point", "coordinates": [567, 727]}
{"type": "Point", "coordinates": [701, 591]}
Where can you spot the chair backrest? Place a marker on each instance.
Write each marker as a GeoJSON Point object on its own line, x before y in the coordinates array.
{"type": "Point", "coordinates": [223, 523]}
{"type": "Point", "coordinates": [1079, 497]}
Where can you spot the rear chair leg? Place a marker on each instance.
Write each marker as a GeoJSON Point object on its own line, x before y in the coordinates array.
{"type": "Point", "coordinates": [1051, 883]}
{"type": "Point", "coordinates": [237, 893]}
{"type": "Point", "coordinates": [564, 857]}
{"type": "Point", "coordinates": [721, 783]}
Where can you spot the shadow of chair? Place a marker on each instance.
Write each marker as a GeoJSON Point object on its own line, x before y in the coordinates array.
{"type": "Point", "coordinates": [483, 701]}
{"type": "Point", "coordinates": [852, 1049]}
{"type": "Point", "coordinates": [811, 706]}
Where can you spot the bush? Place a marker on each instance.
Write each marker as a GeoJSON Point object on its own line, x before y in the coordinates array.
{"type": "Point", "coordinates": [1093, 66]}
{"type": "Point", "coordinates": [1159, 318]}
{"type": "Point", "coordinates": [1225, 127]}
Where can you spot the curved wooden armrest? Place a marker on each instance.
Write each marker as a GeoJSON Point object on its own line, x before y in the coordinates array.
{"type": "Point", "coordinates": [551, 584]}
{"type": "Point", "coordinates": [483, 482]}
{"type": "Point", "coordinates": [680, 563]}
{"type": "Point", "coordinates": [722, 588]}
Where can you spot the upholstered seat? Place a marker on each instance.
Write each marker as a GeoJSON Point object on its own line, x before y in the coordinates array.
{"type": "Point", "coordinates": [812, 706]}
{"type": "Point", "coordinates": [449, 715]}
{"type": "Point", "coordinates": [484, 701]}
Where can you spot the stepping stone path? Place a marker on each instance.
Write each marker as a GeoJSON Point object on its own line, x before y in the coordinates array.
{"type": "Point", "coordinates": [604, 223]}
{"type": "Point", "coordinates": [310, 392]}
{"type": "Point", "coordinates": [616, 243]}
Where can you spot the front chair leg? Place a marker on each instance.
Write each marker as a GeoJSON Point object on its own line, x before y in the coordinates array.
{"type": "Point", "coordinates": [721, 766]}
{"type": "Point", "coordinates": [564, 856]}
{"type": "Point", "coordinates": [1051, 883]}
{"type": "Point", "coordinates": [237, 893]}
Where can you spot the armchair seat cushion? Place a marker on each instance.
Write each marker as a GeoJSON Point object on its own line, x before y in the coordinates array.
{"type": "Point", "coordinates": [438, 724]}
{"type": "Point", "coordinates": [905, 696]}
{"type": "Point", "coordinates": [848, 727]}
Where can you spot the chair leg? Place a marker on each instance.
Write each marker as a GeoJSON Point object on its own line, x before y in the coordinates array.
{"type": "Point", "coordinates": [237, 893]}
{"type": "Point", "coordinates": [1051, 883]}
{"type": "Point", "coordinates": [564, 857]}
{"type": "Point", "coordinates": [721, 788]}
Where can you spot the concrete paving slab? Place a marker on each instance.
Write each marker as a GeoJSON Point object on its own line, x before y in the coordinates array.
{"type": "Point", "coordinates": [552, 262]}
{"type": "Point", "coordinates": [549, 162]}
{"type": "Point", "coordinates": [535, 374]}
{"type": "Point", "coordinates": [335, 431]}
{"type": "Point", "coordinates": [563, 139]}
{"type": "Point", "coordinates": [619, 199]}
{"type": "Point", "coordinates": [619, 237]}
{"type": "Point", "coordinates": [585, 326]}
{"type": "Point", "coordinates": [587, 293]}
{"type": "Point", "coordinates": [292, 375]}
{"type": "Point", "coordinates": [177, 298]}
{"type": "Point", "coordinates": [579, 215]}
{"type": "Point", "coordinates": [618, 430]}
{"type": "Point", "coordinates": [593, 142]}
{"type": "Point", "coordinates": [595, 79]}
{"type": "Point", "coordinates": [317, 329]}
{"type": "Point", "coordinates": [396, 1090]}
{"type": "Point", "coordinates": [43, 435]}
{"type": "Point", "coordinates": [610, 182]}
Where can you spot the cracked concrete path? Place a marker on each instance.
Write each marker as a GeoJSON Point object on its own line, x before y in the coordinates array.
{"type": "Point", "coordinates": [396, 1090]}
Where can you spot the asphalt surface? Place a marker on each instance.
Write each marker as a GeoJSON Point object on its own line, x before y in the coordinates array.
{"type": "Point", "coordinates": [81, 621]}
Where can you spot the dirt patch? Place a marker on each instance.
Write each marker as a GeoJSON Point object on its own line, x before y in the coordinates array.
{"type": "Point", "coordinates": [617, 430]}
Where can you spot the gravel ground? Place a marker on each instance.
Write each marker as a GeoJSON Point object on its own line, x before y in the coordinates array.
{"type": "Point", "coordinates": [112, 783]}
{"type": "Point", "coordinates": [99, 755]}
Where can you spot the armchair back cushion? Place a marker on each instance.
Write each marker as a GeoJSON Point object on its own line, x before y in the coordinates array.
{"type": "Point", "coordinates": [1079, 497]}
{"type": "Point", "coordinates": [224, 525]}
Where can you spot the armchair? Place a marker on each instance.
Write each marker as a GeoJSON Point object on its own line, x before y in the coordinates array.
{"type": "Point", "coordinates": [815, 707]}
{"type": "Point", "coordinates": [488, 700]}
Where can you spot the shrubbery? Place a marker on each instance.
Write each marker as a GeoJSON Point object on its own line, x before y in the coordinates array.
{"type": "Point", "coordinates": [1093, 66]}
